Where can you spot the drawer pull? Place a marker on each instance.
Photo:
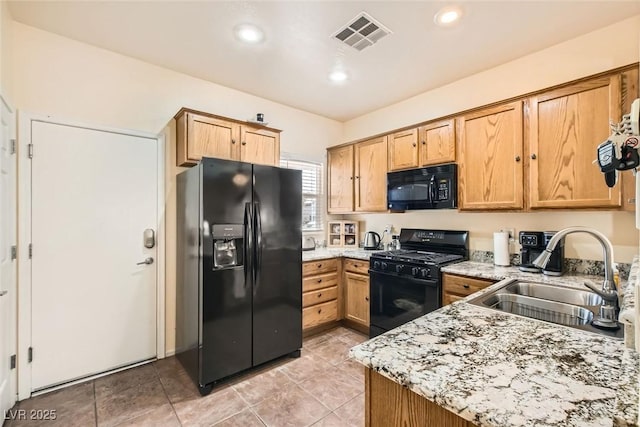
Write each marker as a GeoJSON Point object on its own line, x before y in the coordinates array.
{"type": "Point", "coordinates": [319, 311]}
{"type": "Point", "coordinates": [465, 286]}
{"type": "Point", "coordinates": [319, 265]}
{"type": "Point", "coordinates": [366, 299]}
{"type": "Point", "coordinates": [319, 281]}
{"type": "Point", "coordinates": [320, 294]}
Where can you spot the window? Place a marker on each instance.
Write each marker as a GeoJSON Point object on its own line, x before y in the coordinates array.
{"type": "Point", "coordinates": [312, 194]}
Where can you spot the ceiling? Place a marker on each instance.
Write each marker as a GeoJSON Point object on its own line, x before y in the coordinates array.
{"type": "Point", "coordinates": [292, 64]}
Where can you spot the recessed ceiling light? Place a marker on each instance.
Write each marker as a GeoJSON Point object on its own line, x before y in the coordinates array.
{"type": "Point", "coordinates": [338, 76]}
{"type": "Point", "coordinates": [447, 16]}
{"type": "Point", "coordinates": [249, 33]}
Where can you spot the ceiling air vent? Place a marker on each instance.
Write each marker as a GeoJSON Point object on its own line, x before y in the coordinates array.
{"type": "Point", "coordinates": [361, 32]}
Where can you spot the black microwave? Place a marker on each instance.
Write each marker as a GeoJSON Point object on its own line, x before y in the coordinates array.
{"type": "Point", "coordinates": [434, 187]}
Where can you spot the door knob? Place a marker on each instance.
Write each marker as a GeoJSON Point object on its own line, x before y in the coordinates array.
{"type": "Point", "coordinates": [3, 293]}
{"type": "Point", "coordinates": [146, 261]}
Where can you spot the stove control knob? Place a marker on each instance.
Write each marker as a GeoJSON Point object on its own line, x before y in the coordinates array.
{"type": "Point", "coordinates": [415, 271]}
{"type": "Point", "coordinates": [425, 272]}
{"type": "Point", "coordinates": [384, 265]}
{"type": "Point", "coordinates": [399, 268]}
{"type": "Point", "coordinates": [376, 265]}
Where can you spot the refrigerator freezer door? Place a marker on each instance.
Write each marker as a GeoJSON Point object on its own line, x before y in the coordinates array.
{"type": "Point", "coordinates": [277, 290]}
{"type": "Point", "coordinates": [226, 295]}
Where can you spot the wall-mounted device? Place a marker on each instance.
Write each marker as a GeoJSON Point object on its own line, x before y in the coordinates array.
{"type": "Point", "coordinates": [149, 238]}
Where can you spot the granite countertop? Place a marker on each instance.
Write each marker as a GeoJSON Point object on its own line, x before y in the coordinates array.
{"type": "Point", "coordinates": [495, 369]}
{"type": "Point", "coordinates": [325, 253]}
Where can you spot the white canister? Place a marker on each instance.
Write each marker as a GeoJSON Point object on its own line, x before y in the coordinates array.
{"type": "Point", "coordinates": [501, 248]}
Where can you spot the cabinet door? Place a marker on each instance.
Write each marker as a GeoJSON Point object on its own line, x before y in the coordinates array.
{"type": "Point", "coordinates": [357, 298]}
{"type": "Point", "coordinates": [340, 179]}
{"type": "Point", "coordinates": [259, 146]}
{"type": "Point", "coordinates": [209, 137]}
{"type": "Point", "coordinates": [403, 150]}
{"type": "Point", "coordinates": [371, 175]}
{"type": "Point", "coordinates": [437, 143]}
{"type": "Point", "coordinates": [490, 158]}
{"type": "Point", "coordinates": [566, 126]}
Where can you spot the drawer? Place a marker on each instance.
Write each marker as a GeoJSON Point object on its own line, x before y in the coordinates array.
{"type": "Point", "coordinates": [321, 266]}
{"type": "Point", "coordinates": [461, 285]}
{"type": "Point", "coordinates": [321, 295]}
{"type": "Point", "coordinates": [319, 314]}
{"type": "Point", "coordinates": [356, 266]}
{"type": "Point", "coordinates": [319, 281]}
{"type": "Point", "coordinates": [449, 298]}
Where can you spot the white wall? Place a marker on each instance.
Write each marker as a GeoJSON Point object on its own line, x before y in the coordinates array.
{"type": "Point", "coordinates": [610, 47]}
{"type": "Point", "coordinates": [61, 77]}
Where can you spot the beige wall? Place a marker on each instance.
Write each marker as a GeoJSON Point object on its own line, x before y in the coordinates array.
{"type": "Point", "coordinates": [5, 40]}
{"type": "Point", "coordinates": [61, 77]}
{"type": "Point", "coordinates": [601, 50]}
{"type": "Point", "coordinates": [607, 48]}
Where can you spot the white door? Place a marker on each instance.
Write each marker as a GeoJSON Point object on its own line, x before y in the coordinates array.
{"type": "Point", "coordinates": [8, 289]}
{"type": "Point", "coordinates": [93, 195]}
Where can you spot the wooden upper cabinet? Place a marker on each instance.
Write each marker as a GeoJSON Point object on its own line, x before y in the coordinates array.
{"type": "Point", "coordinates": [370, 178]}
{"type": "Point", "coordinates": [200, 134]}
{"type": "Point", "coordinates": [565, 127]}
{"type": "Point", "coordinates": [403, 150]}
{"type": "Point", "coordinates": [259, 146]}
{"type": "Point", "coordinates": [340, 179]}
{"type": "Point", "coordinates": [437, 143]}
{"type": "Point", "coordinates": [489, 143]}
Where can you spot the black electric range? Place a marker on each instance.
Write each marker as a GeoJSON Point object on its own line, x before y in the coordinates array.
{"type": "Point", "coordinates": [407, 283]}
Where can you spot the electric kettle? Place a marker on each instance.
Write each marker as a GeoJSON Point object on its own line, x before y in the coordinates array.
{"type": "Point", "coordinates": [371, 240]}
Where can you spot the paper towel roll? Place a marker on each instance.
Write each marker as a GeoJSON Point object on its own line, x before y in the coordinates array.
{"type": "Point", "coordinates": [501, 248]}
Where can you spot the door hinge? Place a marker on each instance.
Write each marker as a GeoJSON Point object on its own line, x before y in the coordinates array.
{"type": "Point", "coordinates": [30, 250]}
{"type": "Point", "coordinates": [14, 252]}
{"type": "Point", "coordinates": [30, 355]}
{"type": "Point", "coordinates": [12, 148]}
{"type": "Point", "coordinates": [12, 362]}
{"type": "Point", "coordinates": [30, 148]}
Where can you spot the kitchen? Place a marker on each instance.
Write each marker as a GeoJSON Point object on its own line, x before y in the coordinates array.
{"type": "Point", "coordinates": [51, 74]}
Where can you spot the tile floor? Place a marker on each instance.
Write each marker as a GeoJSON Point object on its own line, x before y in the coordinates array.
{"type": "Point", "coordinates": [321, 388]}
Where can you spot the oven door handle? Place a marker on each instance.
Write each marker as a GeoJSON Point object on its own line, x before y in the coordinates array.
{"type": "Point", "coordinates": [426, 282]}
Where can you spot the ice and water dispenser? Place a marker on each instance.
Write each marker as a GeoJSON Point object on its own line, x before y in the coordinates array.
{"type": "Point", "coordinates": [228, 244]}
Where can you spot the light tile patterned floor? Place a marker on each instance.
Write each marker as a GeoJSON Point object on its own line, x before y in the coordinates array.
{"type": "Point", "coordinates": [321, 388]}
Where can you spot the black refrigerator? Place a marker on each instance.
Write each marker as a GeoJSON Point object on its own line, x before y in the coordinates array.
{"type": "Point", "coordinates": [239, 268]}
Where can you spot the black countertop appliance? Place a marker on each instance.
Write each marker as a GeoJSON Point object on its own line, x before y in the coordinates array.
{"type": "Point", "coordinates": [533, 243]}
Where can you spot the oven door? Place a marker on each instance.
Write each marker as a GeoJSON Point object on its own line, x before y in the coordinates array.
{"type": "Point", "coordinates": [396, 300]}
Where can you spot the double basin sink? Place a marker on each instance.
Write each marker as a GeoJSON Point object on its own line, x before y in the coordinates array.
{"type": "Point", "coordinates": [555, 304]}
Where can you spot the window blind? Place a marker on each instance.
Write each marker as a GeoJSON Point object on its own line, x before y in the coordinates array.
{"type": "Point", "coordinates": [312, 192]}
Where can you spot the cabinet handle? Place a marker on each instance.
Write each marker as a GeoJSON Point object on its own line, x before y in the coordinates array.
{"type": "Point", "coordinates": [233, 141]}
{"type": "Point", "coordinates": [414, 144]}
{"type": "Point", "coordinates": [320, 294]}
{"type": "Point", "coordinates": [356, 266]}
{"type": "Point", "coordinates": [244, 143]}
{"type": "Point", "coordinates": [319, 265]}
{"type": "Point", "coordinates": [319, 311]}
{"type": "Point", "coordinates": [351, 178]}
{"type": "Point", "coordinates": [533, 156]}
{"type": "Point", "coordinates": [366, 299]}
{"type": "Point", "coordinates": [357, 177]}
{"type": "Point", "coordinates": [319, 280]}
{"type": "Point", "coordinates": [424, 142]}
{"type": "Point", "coordinates": [517, 158]}
{"type": "Point", "coordinates": [465, 286]}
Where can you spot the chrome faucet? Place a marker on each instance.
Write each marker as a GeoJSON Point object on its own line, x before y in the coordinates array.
{"type": "Point", "coordinates": [609, 307]}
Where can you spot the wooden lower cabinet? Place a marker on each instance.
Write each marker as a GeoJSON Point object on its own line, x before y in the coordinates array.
{"type": "Point", "coordinates": [356, 287]}
{"type": "Point", "coordinates": [320, 293]}
{"type": "Point", "coordinates": [387, 403]}
{"type": "Point", "coordinates": [456, 287]}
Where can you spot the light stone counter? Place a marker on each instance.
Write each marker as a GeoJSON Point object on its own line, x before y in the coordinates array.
{"type": "Point", "coordinates": [499, 370]}
{"type": "Point", "coordinates": [325, 253]}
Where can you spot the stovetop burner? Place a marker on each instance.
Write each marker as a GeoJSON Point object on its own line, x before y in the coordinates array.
{"type": "Point", "coordinates": [405, 255]}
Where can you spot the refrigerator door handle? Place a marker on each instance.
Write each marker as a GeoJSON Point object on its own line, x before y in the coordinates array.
{"type": "Point", "coordinates": [258, 246]}
{"type": "Point", "coordinates": [248, 243]}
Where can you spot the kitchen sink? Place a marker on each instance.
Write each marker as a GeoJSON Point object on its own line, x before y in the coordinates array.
{"type": "Point", "coordinates": [560, 305]}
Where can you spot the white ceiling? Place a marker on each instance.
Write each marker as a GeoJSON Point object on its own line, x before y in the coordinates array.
{"type": "Point", "coordinates": [292, 64]}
